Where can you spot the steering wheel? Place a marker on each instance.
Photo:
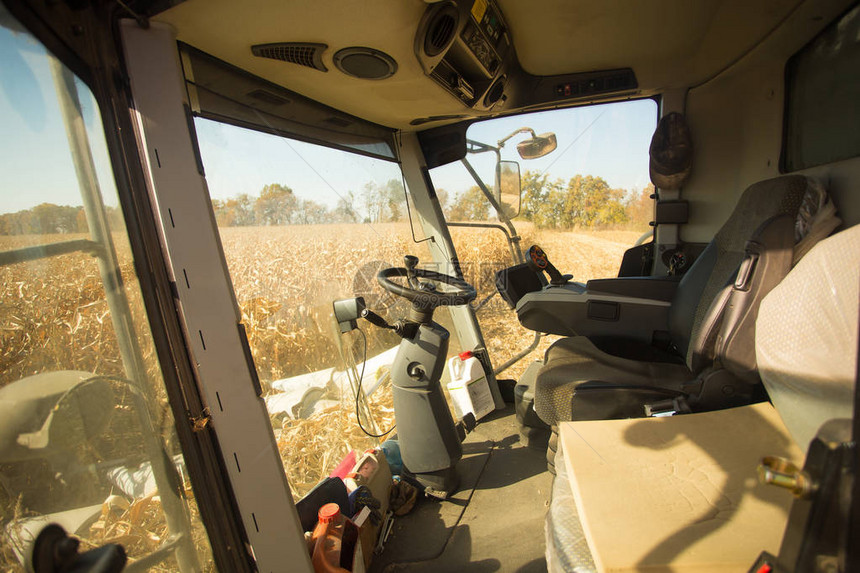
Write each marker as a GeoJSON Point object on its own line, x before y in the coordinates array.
{"type": "Point", "coordinates": [424, 295]}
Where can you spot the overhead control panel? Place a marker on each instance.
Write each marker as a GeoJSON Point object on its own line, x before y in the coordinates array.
{"type": "Point", "coordinates": [466, 47]}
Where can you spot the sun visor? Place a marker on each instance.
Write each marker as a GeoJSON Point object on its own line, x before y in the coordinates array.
{"type": "Point", "coordinates": [222, 92]}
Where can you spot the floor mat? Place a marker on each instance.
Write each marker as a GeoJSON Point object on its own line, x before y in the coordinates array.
{"type": "Point", "coordinates": [493, 523]}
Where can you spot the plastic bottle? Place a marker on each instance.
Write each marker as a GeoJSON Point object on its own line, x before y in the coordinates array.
{"type": "Point", "coordinates": [468, 387]}
{"type": "Point", "coordinates": [327, 537]}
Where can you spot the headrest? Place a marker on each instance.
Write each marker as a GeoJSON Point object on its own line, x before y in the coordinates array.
{"type": "Point", "coordinates": [671, 152]}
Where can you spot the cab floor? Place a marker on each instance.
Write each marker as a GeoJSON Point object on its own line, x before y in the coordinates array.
{"type": "Point", "coordinates": [494, 522]}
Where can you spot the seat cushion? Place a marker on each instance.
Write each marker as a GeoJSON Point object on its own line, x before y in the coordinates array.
{"type": "Point", "coordinates": [573, 362]}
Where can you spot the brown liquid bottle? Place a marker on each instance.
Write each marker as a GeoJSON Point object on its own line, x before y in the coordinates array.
{"type": "Point", "coordinates": [327, 537]}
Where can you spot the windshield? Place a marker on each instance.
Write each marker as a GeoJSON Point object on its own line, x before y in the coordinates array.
{"type": "Point", "coordinates": [574, 181]}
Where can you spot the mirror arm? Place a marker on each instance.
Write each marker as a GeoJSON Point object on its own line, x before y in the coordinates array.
{"type": "Point", "coordinates": [473, 146]}
{"type": "Point", "coordinates": [501, 142]}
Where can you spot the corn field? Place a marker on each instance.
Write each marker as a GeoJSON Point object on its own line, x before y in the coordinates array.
{"type": "Point", "coordinates": [53, 316]}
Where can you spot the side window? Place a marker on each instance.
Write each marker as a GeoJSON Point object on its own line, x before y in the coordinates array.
{"type": "Point", "coordinates": [86, 435]}
{"type": "Point", "coordinates": [303, 225]}
{"type": "Point", "coordinates": [822, 90]}
{"type": "Point", "coordinates": [574, 181]}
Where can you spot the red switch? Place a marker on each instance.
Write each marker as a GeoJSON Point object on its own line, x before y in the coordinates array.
{"type": "Point", "coordinates": [765, 568]}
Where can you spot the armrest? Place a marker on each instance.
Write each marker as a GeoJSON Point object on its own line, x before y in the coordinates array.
{"type": "Point", "coordinates": [655, 288]}
{"type": "Point", "coordinates": [573, 310]}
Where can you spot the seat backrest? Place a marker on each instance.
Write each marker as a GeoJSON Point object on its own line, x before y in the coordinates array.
{"type": "Point", "coordinates": [806, 337]}
{"type": "Point", "coordinates": [715, 269]}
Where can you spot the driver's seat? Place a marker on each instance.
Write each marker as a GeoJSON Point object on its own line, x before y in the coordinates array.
{"type": "Point", "coordinates": [580, 381]}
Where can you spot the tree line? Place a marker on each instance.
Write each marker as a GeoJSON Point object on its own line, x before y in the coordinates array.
{"type": "Point", "coordinates": [49, 218]}
{"type": "Point", "coordinates": [583, 200]}
{"type": "Point", "coordinates": [278, 204]}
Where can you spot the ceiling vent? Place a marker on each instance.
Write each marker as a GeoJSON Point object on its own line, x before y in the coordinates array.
{"type": "Point", "coordinates": [440, 30]}
{"type": "Point", "coordinates": [365, 63]}
{"type": "Point", "coordinates": [301, 53]}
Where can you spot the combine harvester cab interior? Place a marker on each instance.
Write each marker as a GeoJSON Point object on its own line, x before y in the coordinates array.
{"type": "Point", "coordinates": [429, 285]}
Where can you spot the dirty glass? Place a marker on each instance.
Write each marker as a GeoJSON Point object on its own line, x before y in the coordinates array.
{"type": "Point", "coordinates": [86, 435]}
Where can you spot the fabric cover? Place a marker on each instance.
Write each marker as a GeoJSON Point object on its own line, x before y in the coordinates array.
{"type": "Point", "coordinates": [806, 337]}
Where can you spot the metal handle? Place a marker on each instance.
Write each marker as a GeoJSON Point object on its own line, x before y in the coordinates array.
{"type": "Point", "coordinates": [780, 472]}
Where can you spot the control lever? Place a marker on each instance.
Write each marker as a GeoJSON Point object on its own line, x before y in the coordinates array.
{"type": "Point", "coordinates": [374, 318]}
{"type": "Point", "coordinates": [537, 261]}
{"type": "Point", "coordinates": [403, 328]}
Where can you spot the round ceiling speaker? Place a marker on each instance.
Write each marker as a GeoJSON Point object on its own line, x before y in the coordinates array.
{"type": "Point", "coordinates": [365, 63]}
{"type": "Point", "coordinates": [495, 92]}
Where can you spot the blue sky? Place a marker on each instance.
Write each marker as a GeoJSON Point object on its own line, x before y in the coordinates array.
{"type": "Point", "coordinates": [610, 141]}
{"type": "Point", "coordinates": [35, 162]}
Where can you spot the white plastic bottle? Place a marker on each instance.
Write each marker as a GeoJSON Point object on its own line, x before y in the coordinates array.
{"type": "Point", "coordinates": [469, 389]}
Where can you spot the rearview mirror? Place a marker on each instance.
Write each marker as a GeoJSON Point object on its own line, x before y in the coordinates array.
{"type": "Point", "coordinates": [509, 188]}
{"type": "Point", "coordinates": [537, 146]}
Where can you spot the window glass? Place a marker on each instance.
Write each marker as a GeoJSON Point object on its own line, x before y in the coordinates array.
{"type": "Point", "coordinates": [585, 199]}
{"type": "Point", "coordinates": [303, 225]}
{"type": "Point", "coordinates": [822, 91]}
{"type": "Point", "coordinates": [86, 435]}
